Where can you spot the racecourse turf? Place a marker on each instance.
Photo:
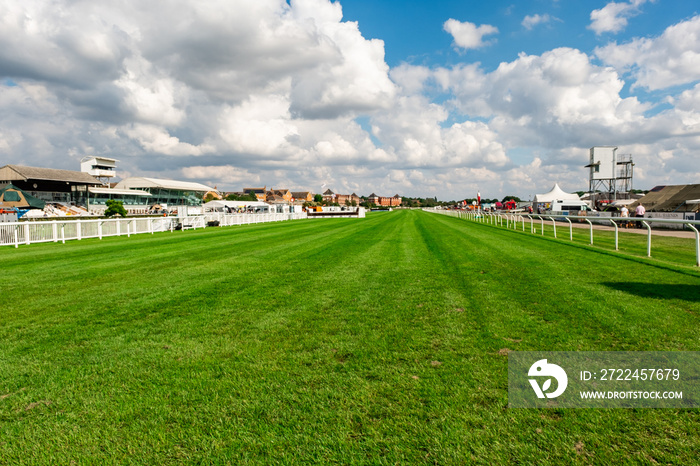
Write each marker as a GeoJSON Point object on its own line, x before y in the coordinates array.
{"type": "Point", "coordinates": [381, 340]}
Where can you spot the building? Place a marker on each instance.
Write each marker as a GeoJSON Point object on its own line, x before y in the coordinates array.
{"type": "Point", "coordinates": [102, 168]}
{"type": "Point", "coordinates": [12, 197]}
{"type": "Point", "coordinates": [149, 192]}
{"type": "Point", "coordinates": [347, 199]}
{"type": "Point", "coordinates": [342, 199]}
{"type": "Point", "coordinates": [278, 196]}
{"type": "Point", "coordinates": [673, 198]}
{"type": "Point", "coordinates": [214, 194]}
{"type": "Point", "coordinates": [260, 193]}
{"type": "Point", "coordinates": [299, 197]}
{"type": "Point", "coordinates": [50, 184]}
{"type": "Point", "coordinates": [384, 201]}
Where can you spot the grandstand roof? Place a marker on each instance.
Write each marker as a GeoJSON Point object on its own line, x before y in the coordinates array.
{"type": "Point", "coordinates": [672, 198]}
{"type": "Point", "coordinates": [19, 172]}
{"type": "Point", "coordinates": [138, 182]}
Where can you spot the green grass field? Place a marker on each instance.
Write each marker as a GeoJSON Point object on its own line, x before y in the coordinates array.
{"type": "Point", "coordinates": [375, 341]}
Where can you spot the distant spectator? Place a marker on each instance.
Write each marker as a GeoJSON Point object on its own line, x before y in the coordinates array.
{"type": "Point", "coordinates": [639, 212]}
{"type": "Point", "coordinates": [625, 213]}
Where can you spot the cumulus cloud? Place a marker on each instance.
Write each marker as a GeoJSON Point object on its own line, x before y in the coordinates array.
{"type": "Point", "coordinates": [613, 16]}
{"type": "Point", "coordinates": [468, 35]}
{"type": "Point", "coordinates": [288, 94]}
{"type": "Point", "coordinates": [555, 95]}
{"type": "Point", "coordinates": [660, 62]}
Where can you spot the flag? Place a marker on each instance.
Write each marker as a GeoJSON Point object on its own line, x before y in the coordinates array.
{"type": "Point", "coordinates": [478, 198]}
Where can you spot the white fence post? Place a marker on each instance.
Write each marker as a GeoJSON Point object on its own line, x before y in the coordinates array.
{"type": "Point", "coordinates": [648, 238]}
{"type": "Point", "coordinates": [697, 244]}
{"type": "Point", "coordinates": [27, 237]}
{"type": "Point", "coordinates": [591, 225]}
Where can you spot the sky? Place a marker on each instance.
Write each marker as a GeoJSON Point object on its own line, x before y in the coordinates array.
{"type": "Point", "coordinates": [422, 99]}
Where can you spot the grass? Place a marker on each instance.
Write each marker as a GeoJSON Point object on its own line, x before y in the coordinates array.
{"type": "Point", "coordinates": [375, 341]}
{"type": "Point", "coordinates": [676, 251]}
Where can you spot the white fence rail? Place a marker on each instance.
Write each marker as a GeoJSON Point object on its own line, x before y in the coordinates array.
{"type": "Point", "coordinates": [516, 220]}
{"type": "Point", "coordinates": [62, 230]}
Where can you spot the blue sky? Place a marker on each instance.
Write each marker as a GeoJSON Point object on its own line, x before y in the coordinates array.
{"type": "Point", "coordinates": [413, 97]}
{"type": "Point", "coordinates": [413, 32]}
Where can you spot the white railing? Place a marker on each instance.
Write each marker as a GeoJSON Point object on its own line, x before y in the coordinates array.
{"type": "Point", "coordinates": [62, 230]}
{"type": "Point", "coordinates": [515, 220]}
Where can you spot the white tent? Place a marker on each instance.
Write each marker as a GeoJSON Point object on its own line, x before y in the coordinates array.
{"type": "Point", "coordinates": [220, 206]}
{"type": "Point", "coordinates": [556, 193]}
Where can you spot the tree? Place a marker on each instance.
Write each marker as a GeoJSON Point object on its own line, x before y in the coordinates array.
{"type": "Point", "coordinates": [115, 208]}
{"type": "Point", "coordinates": [511, 198]}
{"type": "Point", "coordinates": [246, 197]}
{"type": "Point", "coordinates": [318, 198]}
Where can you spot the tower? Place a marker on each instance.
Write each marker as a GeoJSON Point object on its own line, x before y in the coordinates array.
{"type": "Point", "coordinates": [610, 176]}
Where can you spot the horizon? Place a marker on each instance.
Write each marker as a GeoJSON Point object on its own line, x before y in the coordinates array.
{"type": "Point", "coordinates": [442, 101]}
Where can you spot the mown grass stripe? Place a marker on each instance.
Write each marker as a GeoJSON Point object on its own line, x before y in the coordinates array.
{"type": "Point", "coordinates": [332, 341]}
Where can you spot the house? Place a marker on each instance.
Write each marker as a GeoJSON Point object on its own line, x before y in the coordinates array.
{"type": "Point", "coordinates": [347, 199]}
{"type": "Point", "coordinates": [384, 201]}
{"type": "Point", "coordinates": [299, 197]}
{"type": "Point", "coordinates": [213, 194]}
{"type": "Point", "coordinates": [342, 199]}
{"type": "Point", "coordinates": [260, 193]}
{"type": "Point", "coordinates": [279, 196]}
{"type": "Point", "coordinates": [328, 196]}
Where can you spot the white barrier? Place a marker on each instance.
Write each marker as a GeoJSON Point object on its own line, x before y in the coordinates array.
{"type": "Point", "coordinates": [16, 233]}
{"type": "Point", "coordinates": [512, 220]}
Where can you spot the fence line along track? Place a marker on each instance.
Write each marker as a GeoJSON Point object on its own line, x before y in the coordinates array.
{"type": "Point", "coordinates": [62, 230]}
{"type": "Point", "coordinates": [514, 220]}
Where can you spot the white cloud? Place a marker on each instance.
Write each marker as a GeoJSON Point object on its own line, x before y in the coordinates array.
{"type": "Point", "coordinates": [468, 35]}
{"type": "Point", "coordinates": [558, 91]}
{"type": "Point", "coordinates": [531, 21]}
{"type": "Point", "coordinates": [613, 16]}
{"type": "Point", "coordinates": [227, 174]}
{"type": "Point", "coordinates": [658, 63]}
{"type": "Point", "coordinates": [285, 93]}
{"type": "Point", "coordinates": [157, 140]}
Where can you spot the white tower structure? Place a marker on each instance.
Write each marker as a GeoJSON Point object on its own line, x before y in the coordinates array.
{"type": "Point", "coordinates": [610, 174]}
{"type": "Point", "coordinates": [102, 168]}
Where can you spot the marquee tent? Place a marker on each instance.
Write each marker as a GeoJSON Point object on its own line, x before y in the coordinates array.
{"type": "Point", "coordinates": [556, 193]}
{"type": "Point", "coordinates": [11, 196]}
{"type": "Point", "coordinates": [222, 206]}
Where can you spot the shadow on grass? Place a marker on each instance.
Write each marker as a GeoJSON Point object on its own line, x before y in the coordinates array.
{"type": "Point", "coordinates": [661, 291]}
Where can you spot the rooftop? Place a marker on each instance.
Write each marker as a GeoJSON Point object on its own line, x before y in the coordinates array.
{"type": "Point", "coordinates": [19, 172]}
